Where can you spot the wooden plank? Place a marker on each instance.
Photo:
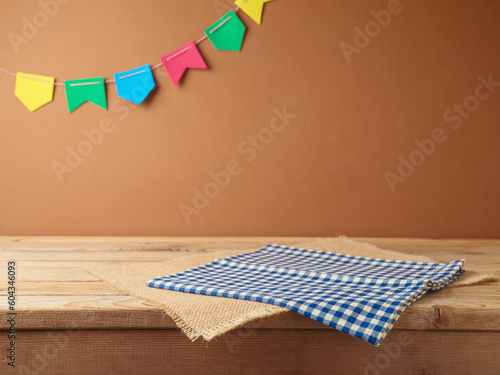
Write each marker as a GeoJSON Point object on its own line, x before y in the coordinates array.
{"type": "Point", "coordinates": [69, 288]}
{"type": "Point", "coordinates": [112, 312]}
{"type": "Point", "coordinates": [478, 297]}
{"type": "Point", "coordinates": [474, 256]}
{"type": "Point", "coordinates": [429, 241]}
{"type": "Point", "coordinates": [61, 273]}
{"type": "Point", "coordinates": [33, 264]}
{"type": "Point", "coordinates": [246, 352]}
{"type": "Point", "coordinates": [444, 250]}
{"type": "Point", "coordinates": [473, 261]}
{"type": "Point", "coordinates": [190, 245]}
{"type": "Point", "coordinates": [455, 330]}
{"type": "Point", "coordinates": [467, 308]}
{"type": "Point", "coordinates": [244, 240]}
{"type": "Point", "coordinates": [123, 246]}
{"type": "Point", "coordinates": [86, 312]}
{"type": "Point", "coordinates": [77, 303]}
{"type": "Point", "coordinates": [114, 256]}
{"type": "Point", "coordinates": [472, 308]}
{"type": "Point", "coordinates": [152, 239]}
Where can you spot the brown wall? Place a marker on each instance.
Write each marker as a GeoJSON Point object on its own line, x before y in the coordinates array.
{"type": "Point", "coordinates": [325, 173]}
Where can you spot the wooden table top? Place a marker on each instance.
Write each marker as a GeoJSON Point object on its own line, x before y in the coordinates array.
{"type": "Point", "coordinates": [53, 292]}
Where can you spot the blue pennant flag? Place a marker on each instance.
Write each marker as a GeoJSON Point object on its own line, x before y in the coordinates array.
{"type": "Point", "coordinates": [135, 85]}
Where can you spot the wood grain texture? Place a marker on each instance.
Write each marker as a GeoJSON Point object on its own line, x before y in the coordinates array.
{"type": "Point", "coordinates": [69, 322]}
{"type": "Point", "coordinates": [251, 352]}
{"type": "Point", "coordinates": [133, 242]}
{"type": "Point", "coordinates": [54, 293]}
{"type": "Point", "coordinates": [67, 288]}
{"type": "Point", "coordinates": [91, 256]}
{"type": "Point", "coordinates": [54, 273]}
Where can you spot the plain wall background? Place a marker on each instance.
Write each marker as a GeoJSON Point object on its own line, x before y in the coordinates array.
{"type": "Point", "coordinates": [323, 175]}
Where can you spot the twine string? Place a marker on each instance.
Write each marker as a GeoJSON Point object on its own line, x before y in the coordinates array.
{"type": "Point", "coordinates": [157, 66]}
{"type": "Point", "coordinates": [220, 25]}
{"type": "Point", "coordinates": [133, 74]}
{"type": "Point", "coordinates": [178, 53]}
{"type": "Point", "coordinates": [33, 78]}
{"type": "Point", "coordinates": [84, 84]}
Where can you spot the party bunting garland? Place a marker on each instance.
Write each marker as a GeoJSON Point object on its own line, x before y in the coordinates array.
{"type": "Point", "coordinates": [134, 85]}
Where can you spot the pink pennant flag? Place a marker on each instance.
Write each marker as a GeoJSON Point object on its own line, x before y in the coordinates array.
{"type": "Point", "coordinates": [178, 61]}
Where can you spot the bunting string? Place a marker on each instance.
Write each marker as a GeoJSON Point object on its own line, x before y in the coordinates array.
{"type": "Point", "coordinates": [178, 53]}
{"type": "Point", "coordinates": [227, 34]}
{"type": "Point", "coordinates": [220, 25]}
{"type": "Point", "coordinates": [27, 77]}
{"type": "Point", "coordinates": [154, 67]}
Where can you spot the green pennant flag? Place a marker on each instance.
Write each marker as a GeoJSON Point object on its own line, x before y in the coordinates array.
{"type": "Point", "coordinates": [79, 91]}
{"type": "Point", "coordinates": [227, 33]}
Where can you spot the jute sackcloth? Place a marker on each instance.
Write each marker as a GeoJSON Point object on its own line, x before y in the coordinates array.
{"type": "Point", "coordinates": [207, 316]}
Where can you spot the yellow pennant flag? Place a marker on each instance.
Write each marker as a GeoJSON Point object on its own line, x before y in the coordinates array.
{"type": "Point", "coordinates": [253, 8]}
{"type": "Point", "coordinates": [34, 91]}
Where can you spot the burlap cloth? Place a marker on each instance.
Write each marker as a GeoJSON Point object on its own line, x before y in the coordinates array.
{"type": "Point", "coordinates": [207, 316]}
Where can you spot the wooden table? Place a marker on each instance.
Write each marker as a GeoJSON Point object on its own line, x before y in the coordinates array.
{"type": "Point", "coordinates": [69, 322]}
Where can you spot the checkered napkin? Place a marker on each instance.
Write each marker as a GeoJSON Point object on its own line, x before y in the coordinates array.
{"type": "Point", "coordinates": [360, 296]}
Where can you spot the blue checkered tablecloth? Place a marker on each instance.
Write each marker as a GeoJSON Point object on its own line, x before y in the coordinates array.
{"type": "Point", "coordinates": [360, 296]}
